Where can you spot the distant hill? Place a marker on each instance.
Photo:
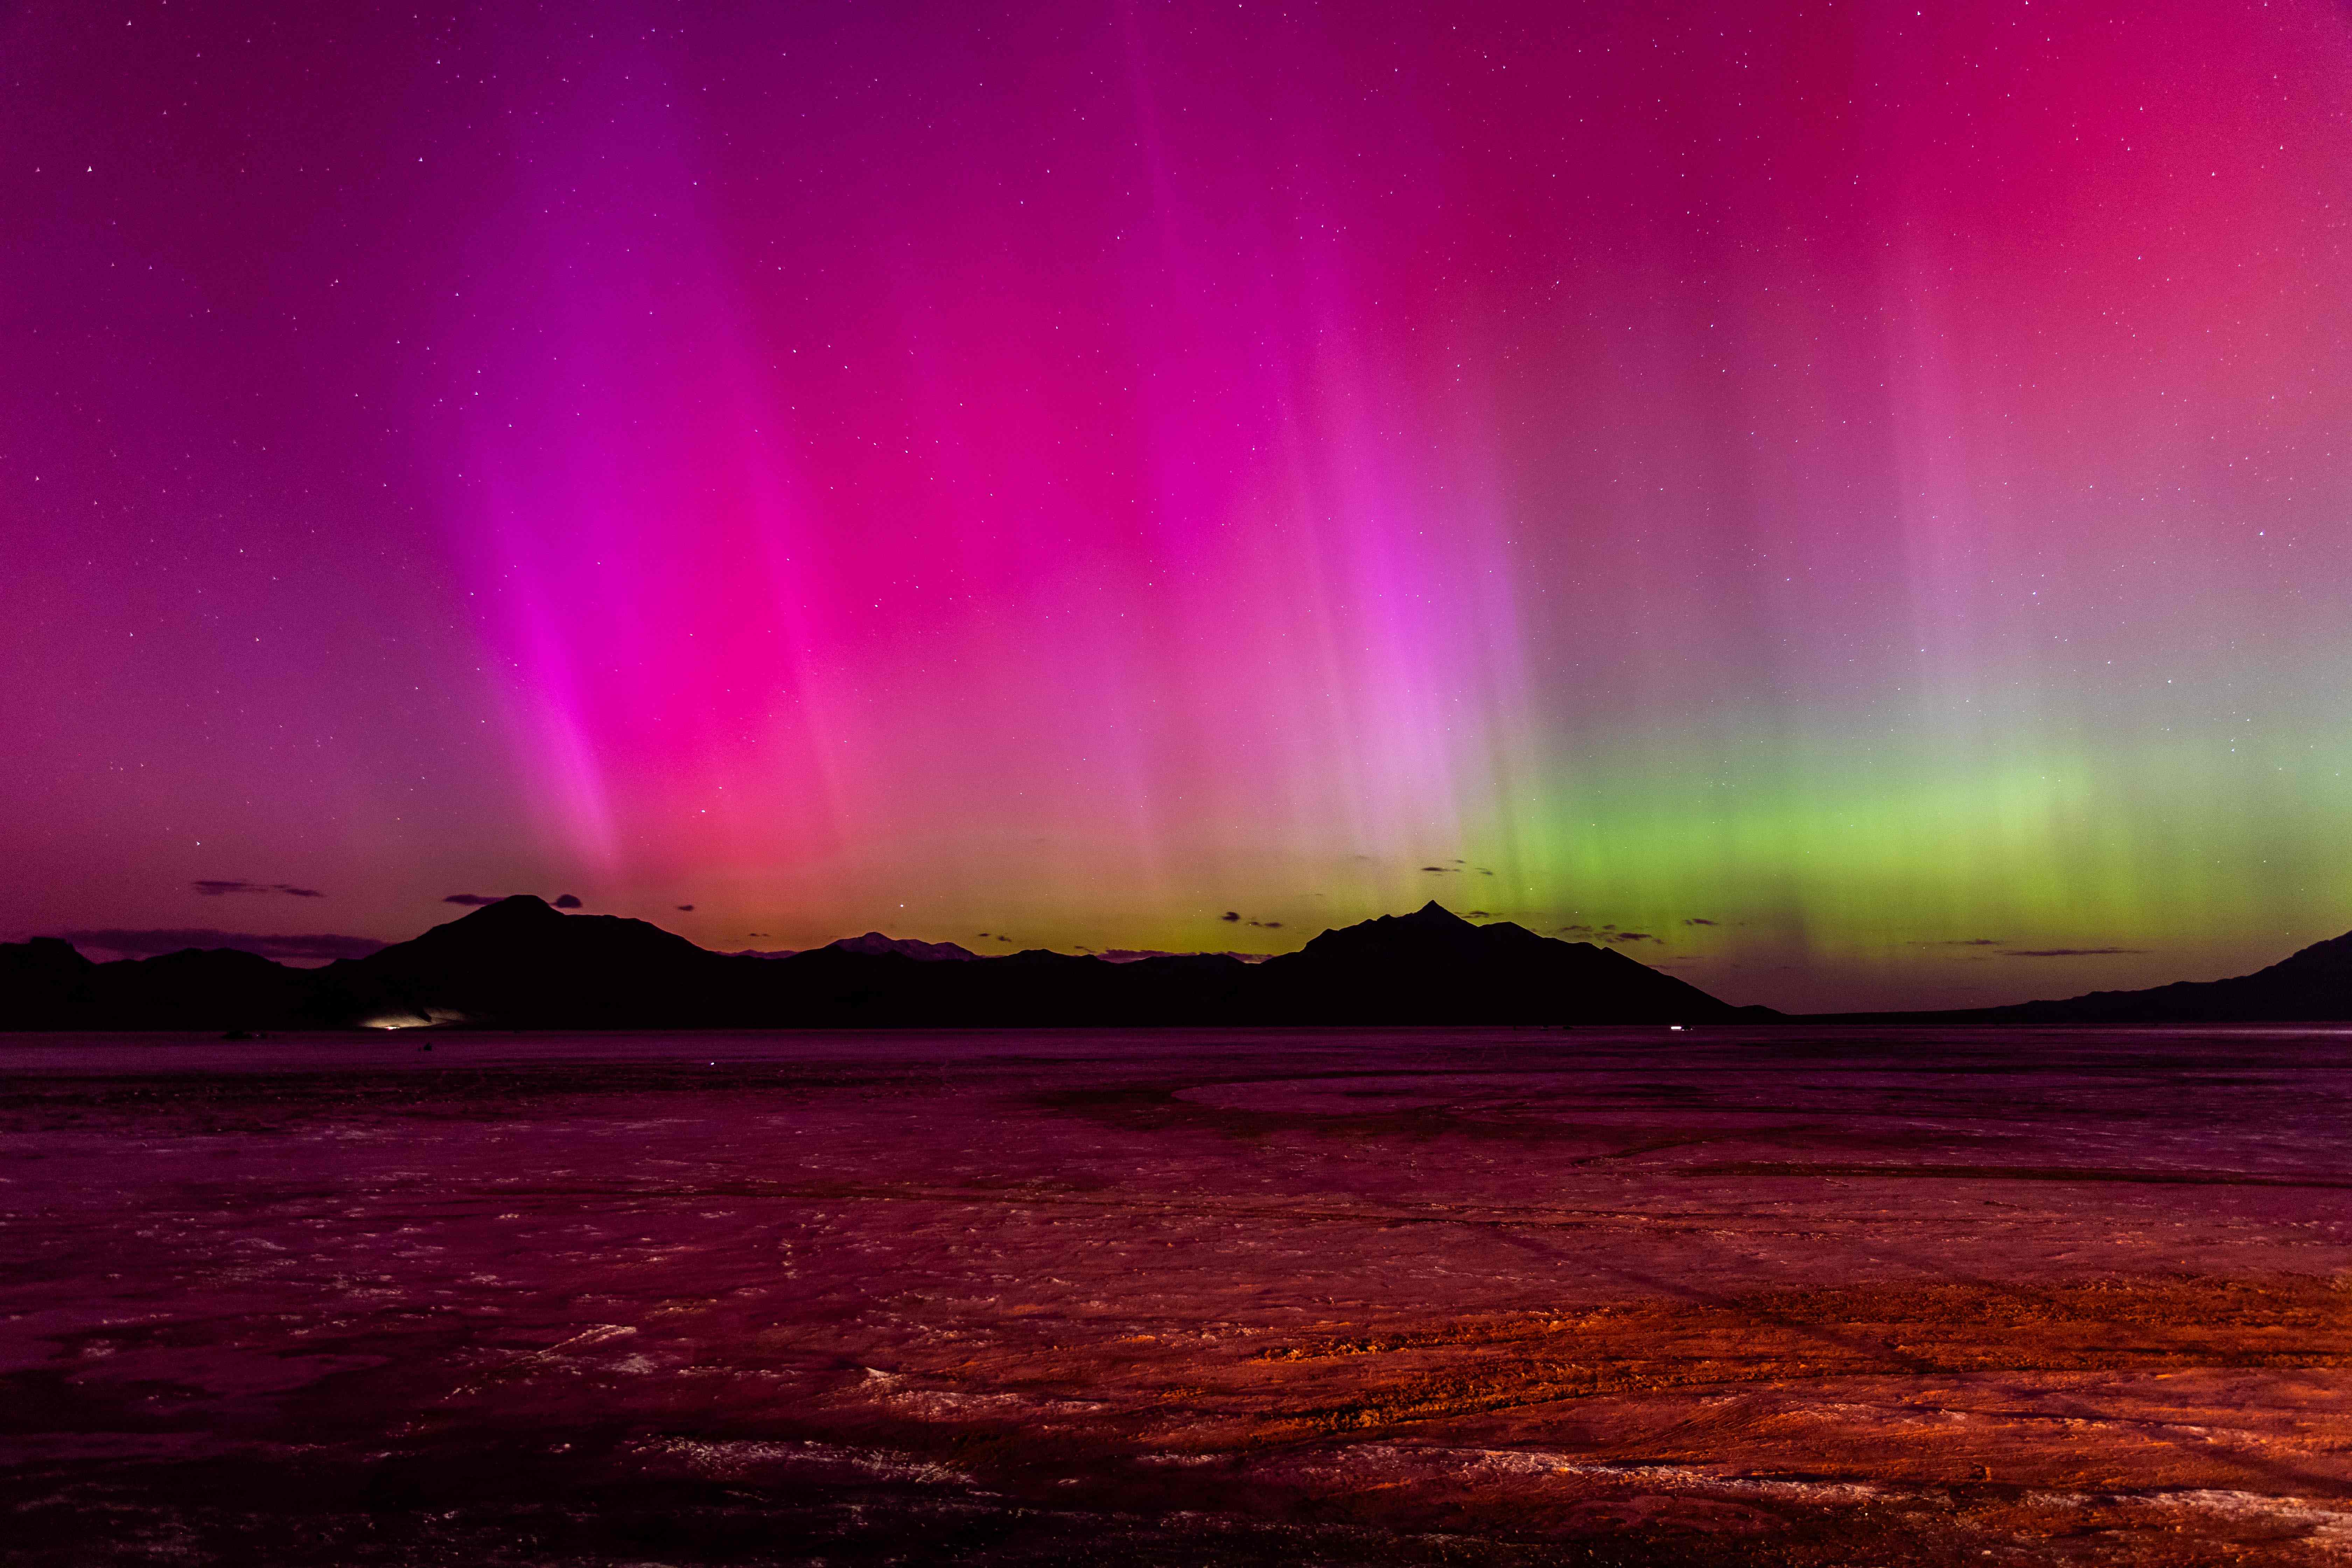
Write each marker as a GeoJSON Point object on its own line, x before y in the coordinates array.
{"type": "Point", "coordinates": [45, 983]}
{"type": "Point", "coordinates": [2313, 987]}
{"type": "Point", "coordinates": [1434, 967]}
{"type": "Point", "coordinates": [921, 952]}
{"type": "Point", "coordinates": [520, 963]}
{"type": "Point", "coordinates": [521, 960]}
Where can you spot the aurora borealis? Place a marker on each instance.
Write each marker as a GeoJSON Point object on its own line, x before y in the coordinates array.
{"type": "Point", "coordinates": [1854, 493]}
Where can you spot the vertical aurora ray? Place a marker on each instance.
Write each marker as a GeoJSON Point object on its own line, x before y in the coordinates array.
{"type": "Point", "coordinates": [1192, 489]}
{"type": "Point", "coordinates": [1157, 593]}
{"type": "Point", "coordinates": [1873, 480]}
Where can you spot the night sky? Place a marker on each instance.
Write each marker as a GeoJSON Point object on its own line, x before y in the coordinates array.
{"type": "Point", "coordinates": [1847, 500]}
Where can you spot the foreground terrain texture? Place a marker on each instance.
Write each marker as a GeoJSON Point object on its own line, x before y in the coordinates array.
{"type": "Point", "coordinates": [1784, 1296]}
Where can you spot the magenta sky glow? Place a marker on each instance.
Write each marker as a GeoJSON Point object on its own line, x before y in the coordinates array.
{"type": "Point", "coordinates": [1870, 479]}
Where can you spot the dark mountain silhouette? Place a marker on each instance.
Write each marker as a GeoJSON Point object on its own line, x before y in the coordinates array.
{"type": "Point", "coordinates": [921, 952]}
{"type": "Point", "coordinates": [520, 963]}
{"type": "Point", "coordinates": [44, 983]}
{"type": "Point", "coordinates": [2315, 986]}
{"type": "Point", "coordinates": [219, 985]}
{"type": "Point", "coordinates": [1434, 967]}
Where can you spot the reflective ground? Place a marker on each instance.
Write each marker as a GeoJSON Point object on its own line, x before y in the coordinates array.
{"type": "Point", "coordinates": [1480, 1297]}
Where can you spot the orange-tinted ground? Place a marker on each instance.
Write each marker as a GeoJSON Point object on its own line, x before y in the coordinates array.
{"type": "Point", "coordinates": [1843, 1297]}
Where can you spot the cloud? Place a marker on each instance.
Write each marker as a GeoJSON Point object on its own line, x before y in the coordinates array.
{"type": "Point", "coordinates": [1609, 934]}
{"type": "Point", "coordinates": [1230, 915]}
{"type": "Point", "coordinates": [148, 944]}
{"type": "Point", "coordinates": [1698, 920]}
{"type": "Point", "coordinates": [2069, 952]}
{"type": "Point", "coordinates": [1267, 925]}
{"type": "Point", "coordinates": [1968, 941]}
{"type": "Point", "coordinates": [686, 908]}
{"type": "Point", "coordinates": [1440, 869]}
{"type": "Point", "coordinates": [567, 902]}
{"type": "Point", "coordinates": [472, 901]}
{"type": "Point", "coordinates": [1478, 914]}
{"type": "Point", "coordinates": [212, 889]}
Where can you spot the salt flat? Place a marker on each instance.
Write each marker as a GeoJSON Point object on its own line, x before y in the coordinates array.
{"type": "Point", "coordinates": [1486, 1295]}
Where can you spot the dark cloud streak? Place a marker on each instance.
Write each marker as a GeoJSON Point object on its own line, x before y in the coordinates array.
{"type": "Point", "coordinates": [2070, 951]}
{"type": "Point", "coordinates": [1608, 934]}
{"type": "Point", "coordinates": [214, 887]}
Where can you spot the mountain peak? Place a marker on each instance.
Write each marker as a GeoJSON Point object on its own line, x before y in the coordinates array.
{"type": "Point", "coordinates": [1429, 931]}
{"type": "Point", "coordinates": [523, 921]}
{"type": "Point", "coordinates": [875, 942]}
{"type": "Point", "coordinates": [514, 908]}
{"type": "Point", "coordinates": [1431, 966]}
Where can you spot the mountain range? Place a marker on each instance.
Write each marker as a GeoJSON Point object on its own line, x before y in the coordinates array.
{"type": "Point", "coordinates": [522, 964]}
{"type": "Point", "coordinates": [2314, 985]}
